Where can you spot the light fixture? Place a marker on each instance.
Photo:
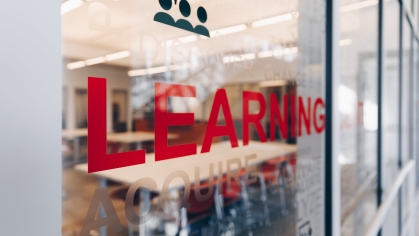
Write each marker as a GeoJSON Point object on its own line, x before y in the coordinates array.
{"type": "Point", "coordinates": [345, 42]}
{"type": "Point", "coordinates": [70, 5]}
{"type": "Point", "coordinates": [117, 55]}
{"type": "Point", "coordinates": [186, 39]}
{"type": "Point", "coordinates": [156, 70]}
{"type": "Point", "coordinates": [228, 30]}
{"type": "Point", "coordinates": [272, 83]}
{"type": "Point", "coordinates": [358, 5]}
{"type": "Point", "coordinates": [272, 20]}
{"type": "Point", "coordinates": [265, 54]}
{"type": "Point", "coordinates": [75, 65]}
{"type": "Point", "coordinates": [98, 60]}
{"type": "Point", "coordinates": [242, 57]}
{"type": "Point", "coordinates": [95, 61]}
{"type": "Point", "coordinates": [278, 52]}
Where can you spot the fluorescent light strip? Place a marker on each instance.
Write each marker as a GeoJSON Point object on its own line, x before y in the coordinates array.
{"type": "Point", "coordinates": [272, 83]}
{"type": "Point", "coordinates": [358, 5]}
{"type": "Point", "coordinates": [70, 5]}
{"type": "Point", "coordinates": [265, 54]}
{"type": "Point", "coordinates": [229, 59]}
{"type": "Point", "coordinates": [95, 61]}
{"type": "Point", "coordinates": [186, 39]}
{"type": "Point", "coordinates": [117, 55]}
{"type": "Point", "coordinates": [76, 65]}
{"type": "Point", "coordinates": [228, 30]}
{"type": "Point", "coordinates": [272, 20]}
{"type": "Point", "coordinates": [345, 42]}
{"type": "Point", "coordinates": [156, 70]}
{"type": "Point", "coordinates": [98, 60]}
{"type": "Point", "coordinates": [278, 52]}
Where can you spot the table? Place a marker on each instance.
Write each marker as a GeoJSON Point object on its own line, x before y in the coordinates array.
{"type": "Point", "coordinates": [220, 152]}
{"type": "Point", "coordinates": [125, 138]}
{"type": "Point", "coordinates": [75, 135]}
{"type": "Point", "coordinates": [135, 137]}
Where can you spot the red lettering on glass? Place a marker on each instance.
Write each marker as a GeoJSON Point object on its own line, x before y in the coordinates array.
{"type": "Point", "coordinates": [282, 119]}
{"type": "Point", "coordinates": [212, 130]}
{"type": "Point", "coordinates": [304, 116]}
{"type": "Point", "coordinates": [98, 160]}
{"type": "Point", "coordinates": [317, 127]}
{"type": "Point", "coordinates": [292, 116]}
{"type": "Point", "coordinates": [253, 118]}
{"type": "Point", "coordinates": [164, 119]}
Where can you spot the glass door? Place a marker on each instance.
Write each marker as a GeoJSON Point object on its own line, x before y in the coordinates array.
{"type": "Point", "coordinates": [203, 117]}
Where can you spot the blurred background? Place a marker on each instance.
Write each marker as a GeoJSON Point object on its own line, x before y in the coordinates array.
{"type": "Point", "coordinates": [271, 47]}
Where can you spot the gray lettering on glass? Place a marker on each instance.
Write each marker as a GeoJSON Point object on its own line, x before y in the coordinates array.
{"type": "Point", "coordinates": [177, 56]}
{"type": "Point", "coordinates": [233, 174]}
{"type": "Point", "coordinates": [101, 196]}
{"type": "Point", "coordinates": [129, 201]}
{"type": "Point", "coordinates": [200, 197]}
{"type": "Point", "coordinates": [145, 48]}
{"type": "Point", "coordinates": [97, 10]}
{"type": "Point", "coordinates": [220, 177]}
{"type": "Point", "coordinates": [167, 205]}
{"type": "Point", "coordinates": [250, 169]}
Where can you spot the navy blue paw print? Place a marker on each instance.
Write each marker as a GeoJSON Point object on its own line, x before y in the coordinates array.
{"type": "Point", "coordinates": [185, 10]}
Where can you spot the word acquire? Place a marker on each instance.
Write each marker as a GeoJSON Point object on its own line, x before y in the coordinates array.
{"type": "Point", "coordinates": [307, 116]}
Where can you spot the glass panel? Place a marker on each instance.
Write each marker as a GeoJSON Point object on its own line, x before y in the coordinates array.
{"type": "Point", "coordinates": [408, 5]}
{"type": "Point", "coordinates": [407, 122]}
{"type": "Point", "coordinates": [391, 223]}
{"type": "Point", "coordinates": [416, 107]}
{"type": "Point", "coordinates": [391, 111]}
{"type": "Point", "coordinates": [358, 110]}
{"type": "Point", "coordinates": [226, 98]}
{"type": "Point", "coordinates": [391, 91]}
{"type": "Point", "coordinates": [406, 91]}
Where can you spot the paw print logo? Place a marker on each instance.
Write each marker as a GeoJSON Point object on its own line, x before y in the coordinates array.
{"type": "Point", "coordinates": [185, 10]}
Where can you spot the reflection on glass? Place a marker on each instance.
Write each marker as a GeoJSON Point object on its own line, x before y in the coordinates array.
{"type": "Point", "coordinates": [390, 117]}
{"type": "Point", "coordinates": [358, 111]}
{"type": "Point", "coordinates": [254, 68]}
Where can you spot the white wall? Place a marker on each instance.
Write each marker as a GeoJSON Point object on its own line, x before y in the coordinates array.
{"type": "Point", "coordinates": [30, 121]}
{"type": "Point", "coordinates": [117, 78]}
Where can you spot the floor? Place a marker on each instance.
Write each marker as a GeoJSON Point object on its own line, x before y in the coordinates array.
{"type": "Point", "coordinates": [79, 188]}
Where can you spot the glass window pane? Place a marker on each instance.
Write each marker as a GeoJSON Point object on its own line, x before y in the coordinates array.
{"type": "Point", "coordinates": [358, 110]}
{"type": "Point", "coordinates": [391, 91]}
{"type": "Point", "coordinates": [220, 81]}
{"type": "Point", "coordinates": [398, 88]}
{"type": "Point", "coordinates": [416, 108]}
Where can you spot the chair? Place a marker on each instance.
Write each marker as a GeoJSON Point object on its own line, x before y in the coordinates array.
{"type": "Point", "coordinates": [114, 147]}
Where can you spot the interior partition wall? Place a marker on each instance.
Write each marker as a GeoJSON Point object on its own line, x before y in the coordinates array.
{"type": "Point", "coordinates": [378, 71]}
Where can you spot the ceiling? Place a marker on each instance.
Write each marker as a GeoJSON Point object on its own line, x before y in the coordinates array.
{"type": "Point", "coordinates": [132, 23]}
